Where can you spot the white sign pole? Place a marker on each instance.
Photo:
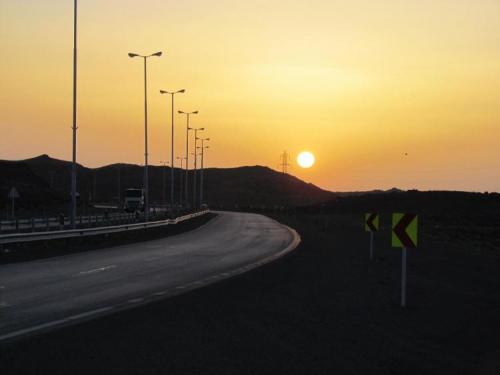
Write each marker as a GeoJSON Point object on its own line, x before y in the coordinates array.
{"type": "Point", "coordinates": [403, 277]}
{"type": "Point", "coordinates": [371, 245]}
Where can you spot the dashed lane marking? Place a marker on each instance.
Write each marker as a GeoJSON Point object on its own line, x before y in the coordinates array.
{"type": "Point", "coordinates": [100, 269]}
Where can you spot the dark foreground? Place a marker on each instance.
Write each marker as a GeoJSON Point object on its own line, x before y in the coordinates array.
{"type": "Point", "coordinates": [324, 309]}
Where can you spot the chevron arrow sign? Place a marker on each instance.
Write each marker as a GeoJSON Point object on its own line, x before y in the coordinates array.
{"type": "Point", "coordinates": [404, 230]}
{"type": "Point", "coordinates": [371, 222]}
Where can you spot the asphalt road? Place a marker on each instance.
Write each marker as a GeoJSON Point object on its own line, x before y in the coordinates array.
{"type": "Point", "coordinates": [41, 295]}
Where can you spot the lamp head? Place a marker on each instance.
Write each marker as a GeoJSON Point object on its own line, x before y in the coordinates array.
{"type": "Point", "coordinates": [158, 54]}
{"type": "Point", "coordinates": [132, 55]}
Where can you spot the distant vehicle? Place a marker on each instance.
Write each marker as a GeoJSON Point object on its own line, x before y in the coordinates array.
{"type": "Point", "coordinates": [134, 200]}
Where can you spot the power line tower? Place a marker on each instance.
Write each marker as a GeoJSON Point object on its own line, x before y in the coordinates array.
{"type": "Point", "coordinates": [284, 162]}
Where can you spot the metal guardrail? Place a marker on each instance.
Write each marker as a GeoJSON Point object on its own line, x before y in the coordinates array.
{"type": "Point", "coordinates": [51, 224]}
{"type": "Point", "coordinates": [71, 233]}
{"type": "Point", "coordinates": [54, 223]}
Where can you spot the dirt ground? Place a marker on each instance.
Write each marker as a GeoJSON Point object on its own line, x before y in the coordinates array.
{"type": "Point", "coordinates": [323, 309]}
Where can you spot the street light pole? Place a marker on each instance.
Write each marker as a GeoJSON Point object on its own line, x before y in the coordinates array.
{"type": "Point", "coordinates": [119, 184]}
{"type": "Point", "coordinates": [146, 177]}
{"type": "Point", "coordinates": [187, 151]}
{"type": "Point", "coordinates": [74, 127]}
{"type": "Point", "coordinates": [195, 159]}
{"type": "Point", "coordinates": [164, 199]}
{"type": "Point", "coordinates": [180, 179]}
{"type": "Point", "coordinates": [172, 93]}
{"type": "Point", "coordinates": [203, 147]}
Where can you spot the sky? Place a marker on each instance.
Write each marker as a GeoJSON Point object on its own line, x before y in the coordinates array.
{"type": "Point", "coordinates": [387, 93]}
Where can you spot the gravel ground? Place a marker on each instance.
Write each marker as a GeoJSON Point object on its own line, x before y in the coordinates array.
{"type": "Point", "coordinates": [323, 309]}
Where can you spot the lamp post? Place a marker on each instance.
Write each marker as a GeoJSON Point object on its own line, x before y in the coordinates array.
{"type": "Point", "coordinates": [196, 130]}
{"type": "Point", "coordinates": [119, 184]}
{"type": "Point", "coordinates": [180, 179]}
{"type": "Point", "coordinates": [203, 147]}
{"type": "Point", "coordinates": [163, 191]}
{"type": "Point", "coordinates": [146, 177]}
{"type": "Point", "coordinates": [172, 93]}
{"type": "Point", "coordinates": [187, 150]}
{"type": "Point", "coordinates": [74, 127]}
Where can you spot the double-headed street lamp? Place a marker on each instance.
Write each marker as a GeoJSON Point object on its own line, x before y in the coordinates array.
{"type": "Point", "coordinates": [172, 93]}
{"type": "Point", "coordinates": [196, 130]}
{"type": "Point", "coordinates": [187, 149]}
{"type": "Point", "coordinates": [203, 147]}
{"type": "Point", "coordinates": [146, 177]}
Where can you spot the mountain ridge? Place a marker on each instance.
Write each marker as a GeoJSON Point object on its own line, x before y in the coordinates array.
{"type": "Point", "coordinates": [42, 180]}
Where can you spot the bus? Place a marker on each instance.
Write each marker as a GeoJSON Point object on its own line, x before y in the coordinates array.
{"type": "Point", "coordinates": [134, 200]}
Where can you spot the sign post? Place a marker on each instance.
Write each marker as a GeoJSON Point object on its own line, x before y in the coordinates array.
{"type": "Point", "coordinates": [13, 195]}
{"type": "Point", "coordinates": [404, 235]}
{"type": "Point", "coordinates": [371, 225]}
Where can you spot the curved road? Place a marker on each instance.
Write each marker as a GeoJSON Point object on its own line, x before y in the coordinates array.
{"type": "Point", "coordinates": [43, 294]}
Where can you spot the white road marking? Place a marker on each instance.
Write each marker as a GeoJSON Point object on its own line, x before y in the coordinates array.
{"type": "Point", "coordinates": [4, 305]}
{"type": "Point", "coordinates": [162, 293]}
{"type": "Point", "coordinates": [101, 269]}
{"type": "Point", "coordinates": [39, 327]}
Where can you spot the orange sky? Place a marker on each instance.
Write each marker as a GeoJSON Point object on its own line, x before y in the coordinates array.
{"type": "Point", "coordinates": [358, 83]}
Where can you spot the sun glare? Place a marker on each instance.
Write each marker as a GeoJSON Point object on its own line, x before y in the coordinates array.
{"type": "Point", "coordinates": [305, 159]}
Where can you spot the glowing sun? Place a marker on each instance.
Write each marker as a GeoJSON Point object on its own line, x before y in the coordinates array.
{"type": "Point", "coordinates": [305, 159]}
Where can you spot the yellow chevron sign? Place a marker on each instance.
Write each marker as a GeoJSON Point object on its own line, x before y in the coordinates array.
{"type": "Point", "coordinates": [404, 230]}
{"type": "Point", "coordinates": [372, 222]}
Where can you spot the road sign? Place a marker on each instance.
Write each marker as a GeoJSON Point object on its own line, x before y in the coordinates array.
{"type": "Point", "coordinates": [404, 234]}
{"type": "Point", "coordinates": [372, 222]}
{"type": "Point", "coordinates": [13, 193]}
{"type": "Point", "coordinates": [404, 230]}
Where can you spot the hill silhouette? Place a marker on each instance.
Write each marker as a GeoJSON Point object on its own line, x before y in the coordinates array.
{"type": "Point", "coordinates": [45, 181]}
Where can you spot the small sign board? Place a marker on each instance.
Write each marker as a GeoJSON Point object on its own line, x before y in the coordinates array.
{"type": "Point", "coordinates": [404, 230]}
{"type": "Point", "coordinates": [13, 193]}
{"type": "Point", "coordinates": [372, 222]}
